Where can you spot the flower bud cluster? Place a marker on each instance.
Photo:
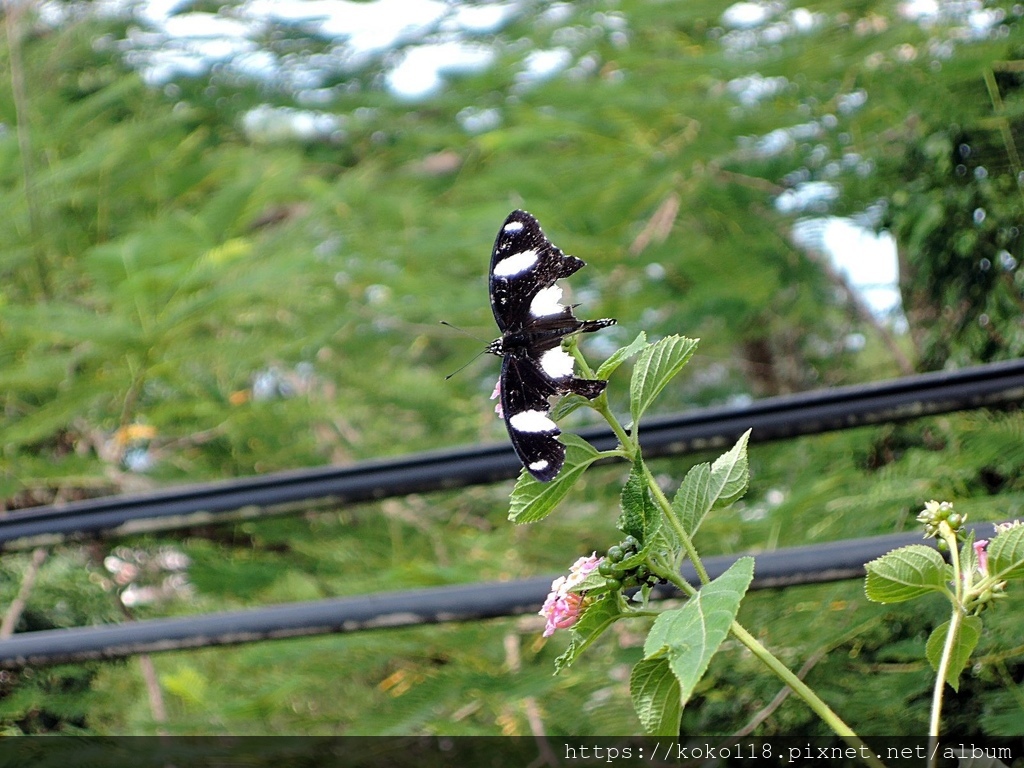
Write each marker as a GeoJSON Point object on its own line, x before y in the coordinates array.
{"type": "Point", "coordinates": [937, 512]}
{"type": "Point", "coordinates": [619, 576]}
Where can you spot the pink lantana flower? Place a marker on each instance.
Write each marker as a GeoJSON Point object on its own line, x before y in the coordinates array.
{"type": "Point", "coordinates": [980, 549]}
{"type": "Point", "coordinates": [563, 606]}
{"type": "Point", "coordinates": [496, 395]}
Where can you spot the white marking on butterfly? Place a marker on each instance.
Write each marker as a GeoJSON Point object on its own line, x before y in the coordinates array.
{"type": "Point", "coordinates": [537, 466]}
{"type": "Point", "coordinates": [532, 421]}
{"type": "Point", "coordinates": [513, 226]}
{"type": "Point", "coordinates": [546, 302]}
{"type": "Point", "coordinates": [515, 264]}
{"type": "Point", "coordinates": [557, 363]}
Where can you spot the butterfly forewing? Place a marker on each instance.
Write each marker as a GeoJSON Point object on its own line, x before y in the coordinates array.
{"type": "Point", "coordinates": [523, 263]}
{"type": "Point", "coordinates": [528, 310]}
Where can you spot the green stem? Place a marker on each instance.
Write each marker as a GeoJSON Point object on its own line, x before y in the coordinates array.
{"type": "Point", "coordinates": [600, 404]}
{"type": "Point", "coordinates": [677, 526]}
{"type": "Point", "coordinates": [628, 445]}
{"type": "Point", "coordinates": [955, 619]}
{"type": "Point", "coordinates": [804, 692]}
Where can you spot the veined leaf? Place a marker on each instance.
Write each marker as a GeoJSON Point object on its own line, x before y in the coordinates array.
{"type": "Point", "coordinates": [730, 472]}
{"type": "Point", "coordinates": [655, 694]}
{"type": "Point", "coordinates": [640, 516]}
{"type": "Point", "coordinates": [621, 355]}
{"type": "Point", "coordinates": [1006, 554]}
{"type": "Point", "coordinates": [533, 501]}
{"type": "Point", "coordinates": [706, 485]}
{"type": "Point", "coordinates": [690, 636]}
{"type": "Point", "coordinates": [596, 618]}
{"type": "Point", "coordinates": [906, 573]}
{"type": "Point", "coordinates": [657, 364]}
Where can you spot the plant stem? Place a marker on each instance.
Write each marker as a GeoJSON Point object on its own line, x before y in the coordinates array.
{"type": "Point", "coordinates": [804, 692]}
{"type": "Point", "coordinates": [670, 514]}
{"type": "Point", "coordinates": [600, 404]}
{"type": "Point", "coordinates": [628, 445]}
{"type": "Point", "coordinates": [955, 619]}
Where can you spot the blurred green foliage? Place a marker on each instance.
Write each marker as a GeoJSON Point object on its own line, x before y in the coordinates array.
{"type": "Point", "coordinates": [183, 300]}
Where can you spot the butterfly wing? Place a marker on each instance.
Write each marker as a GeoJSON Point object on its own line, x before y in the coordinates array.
{"type": "Point", "coordinates": [523, 263]}
{"type": "Point", "coordinates": [527, 308]}
{"type": "Point", "coordinates": [525, 390]}
{"type": "Point", "coordinates": [527, 384]}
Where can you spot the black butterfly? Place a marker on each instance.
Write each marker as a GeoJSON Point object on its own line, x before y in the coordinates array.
{"type": "Point", "coordinates": [533, 322]}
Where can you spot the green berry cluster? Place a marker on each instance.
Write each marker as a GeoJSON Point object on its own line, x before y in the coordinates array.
{"type": "Point", "coordinates": [620, 576]}
{"type": "Point", "coordinates": [935, 513]}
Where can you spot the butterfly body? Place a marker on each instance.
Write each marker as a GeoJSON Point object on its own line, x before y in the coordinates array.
{"type": "Point", "coordinates": [528, 310]}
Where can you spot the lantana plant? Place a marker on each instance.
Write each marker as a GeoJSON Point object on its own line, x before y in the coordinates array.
{"type": "Point", "coordinates": [973, 581]}
{"type": "Point", "coordinates": [657, 538]}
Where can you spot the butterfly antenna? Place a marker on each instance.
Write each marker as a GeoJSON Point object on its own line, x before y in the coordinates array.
{"type": "Point", "coordinates": [463, 331]}
{"type": "Point", "coordinates": [464, 365]}
{"type": "Point", "coordinates": [472, 336]}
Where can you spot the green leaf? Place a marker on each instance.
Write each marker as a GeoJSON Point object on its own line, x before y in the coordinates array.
{"type": "Point", "coordinates": [730, 472]}
{"type": "Point", "coordinates": [592, 581]}
{"type": "Point", "coordinates": [655, 694]}
{"type": "Point", "coordinates": [657, 365]}
{"type": "Point", "coordinates": [706, 485]}
{"type": "Point", "coordinates": [968, 557]}
{"type": "Point", "coordinates": [693, 499]}
{"type": "Point", "coordinates": [621, 355]}
{"type": "Point", "coordinates": [594, 620]}
{"type": "Point", "coordinates": [1006, 554]}
{"type": "Point", "coordinates": [533, 500]}
{"type": "Point", "coordinates": [640, 516]}
{"type": "Point", "coordinates": [906, 573]}
{"type": "Point", "coordinates": [963, 646]}
{"type": "Point", "coordinates": [689, 636]}
{"type": "Point", "coordinates": [567, 405]}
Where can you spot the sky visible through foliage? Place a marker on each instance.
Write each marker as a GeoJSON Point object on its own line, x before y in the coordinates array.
{"type": "Point", "coordinates": [437, 38]}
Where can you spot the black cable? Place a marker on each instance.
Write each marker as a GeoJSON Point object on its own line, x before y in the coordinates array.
{"type": "Point", "coordinates": [834, 561]}
{"type": "Point", "coordinates": [993, 385]}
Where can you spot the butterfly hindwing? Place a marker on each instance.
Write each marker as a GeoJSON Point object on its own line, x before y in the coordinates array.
{"type": "Point", "coordinates": [524, 404]}
{"type": "Point", "coordinates": [528, 310]}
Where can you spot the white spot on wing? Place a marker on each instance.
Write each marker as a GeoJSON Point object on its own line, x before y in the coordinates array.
{"type": "Point", "coordinates": [557, 363]}
{"type": "Point", "coordinates": [532, 421]}
{"type": "Point", "coordinates": [546, 302]}
{"type": "Point", "coordinates": [516, 263]}
{"type": "Point", "coordinates": [537, 466]}
{"type": "Point", "coordinates": [513, 226]}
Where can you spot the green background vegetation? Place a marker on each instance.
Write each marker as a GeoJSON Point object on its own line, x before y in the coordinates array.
{"type": "Point", "coordinates": [156, 259]}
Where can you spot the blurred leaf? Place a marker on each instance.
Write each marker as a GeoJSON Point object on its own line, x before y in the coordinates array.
{"type": "Point", "coordinates": [1006, 554]}
{"type": "Point", "coordinates": [963, 646]}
